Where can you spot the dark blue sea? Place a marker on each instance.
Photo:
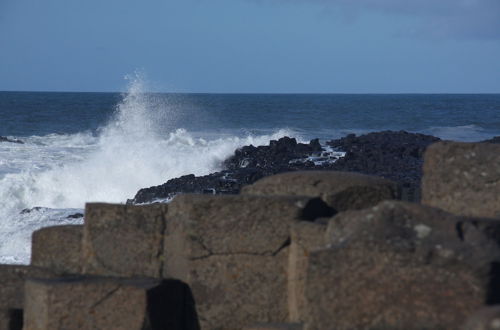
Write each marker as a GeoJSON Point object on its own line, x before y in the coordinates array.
{"type": "Point", "coordinates": [81, 147]}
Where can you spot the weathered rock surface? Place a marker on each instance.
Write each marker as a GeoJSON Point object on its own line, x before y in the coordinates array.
{"type": "Point", "coordinates": [124, 240]}
{"type": "Point", "coordinates": [6, 139]}
{"type": "Point", "coordinates": [108, 303]}
{"type": "Point", "coordinates": [393, 155]}
{"type": "Point", "coordinates": [305, 237]}
{"type": "Point", "coordinates": [463, 178]}
{"type": "Point", "coordinates": [340, 190]}
{"type": "Point", "coordinates": [275, 326]}
{"type": "Point", "coordinates": [233, 252]}
{"type": "Point", "coordinates": [487, 318]}
{"type": "Point", "coordinates": [58, 248]}
{"type": "Point", "coordinates": [12, 279]}
{"type": "Point", "coordinates": [403, 266]}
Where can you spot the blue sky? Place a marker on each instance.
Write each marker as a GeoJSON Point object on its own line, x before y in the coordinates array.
{"type": "Point", "coordinates": [283, 46]}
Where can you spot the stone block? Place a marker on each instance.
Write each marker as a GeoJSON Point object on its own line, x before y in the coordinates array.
{"type": "Point", "coordinates": [124, 240]}
{"type": "Point", "coordinates": [340, 190]}
{"type": "Point", "coordinates": [305, 237]}
{"type": "Point", "coordinates": [233, 252]}
{"type": "Point", "coordinates": [398, 266]}
{"type": "Point", "coordinates": [463, 178]}
{"type": "Point", "coordinates": [486, 318]}
{"type": "Point", "coordinates": [58, 248]}
{"type": "Point", "coordinates": [108, 303]}
{"type": "Point", "coordinates": [12, 279]}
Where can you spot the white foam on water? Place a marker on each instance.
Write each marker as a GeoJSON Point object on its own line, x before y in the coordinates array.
{"type": "Point", "coordinates": [63, 172]}
{"type": "Point", "coordinates": [465, 133]}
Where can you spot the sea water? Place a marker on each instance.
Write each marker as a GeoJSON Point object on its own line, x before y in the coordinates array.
{"type": "Point", "coordinates": [88, 147]}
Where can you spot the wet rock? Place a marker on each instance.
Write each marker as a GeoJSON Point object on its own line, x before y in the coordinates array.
{"type": "Point", "coordinates": [397, 156]}
{"type": "Point", "coordinates": [58, 248]}
{"type": "Point", "coordinates": [233, 251]}
{"type": "Point", "coordinates": [75, 216]}
{"type": "Point", "coordinates": [340, 190]}
{"type": "Point", "coordinates": [123, 240]}
{"type": "Point", "coordinates": [495, 139]}
{"type": "Point", "coordinates": [393, 155]}
{"type": "Point", "coordinates": [33, 209]}
{"type": "Point", "coordinates": [108, 303]}
{"type": "Point", "coordinates": [6, 139]}
{"type": "Point", "coordinates": [403, 266]}
{"type": "Point", "coordinates": [463, 178]}
{"type": "Point", "coordinates": [277, 155]}
{"type": "Point", "coordinates": [246, 166]}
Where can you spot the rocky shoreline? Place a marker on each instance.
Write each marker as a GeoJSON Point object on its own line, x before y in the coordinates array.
{"type": "Point", "coordinates": [397, 156]}
{"type": "Point", "coordinates": [299, 250]}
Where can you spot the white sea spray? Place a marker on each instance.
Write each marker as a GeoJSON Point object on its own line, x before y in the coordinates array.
{"type": "Point", "coordinates": [133, 150]}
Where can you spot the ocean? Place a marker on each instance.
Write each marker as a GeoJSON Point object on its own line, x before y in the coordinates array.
{"type": "Point", "coordinates": [82, 147]}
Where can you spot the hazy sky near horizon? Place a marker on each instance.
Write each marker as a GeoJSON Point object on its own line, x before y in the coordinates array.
{"type": "Point", "coordinates": [281, 46]}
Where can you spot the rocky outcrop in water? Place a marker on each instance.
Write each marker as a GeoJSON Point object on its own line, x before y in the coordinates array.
{"type": "Point", "coordinates": [392, 155]}
{"type": "Point", "coordinates": [6, 139]}
{"type": "Point", "coordinates": [247, 165]}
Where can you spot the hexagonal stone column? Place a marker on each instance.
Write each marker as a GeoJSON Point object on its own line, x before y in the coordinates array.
{"type": "Point", "coordinates": [124, 240]}
{"type": "Point", "coordinates": [233, 252]}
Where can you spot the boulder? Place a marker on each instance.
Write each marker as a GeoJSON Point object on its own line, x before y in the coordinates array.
{"type": "Point", "coordinates": [233, 250]}
{"type": "Point", "coordinates": [340, 190]}
{"type": "Point", "coordinates": [399, 266]}
{"type": "Point", "coordinates": [487, 318]}
{"type": "Point", "coordinates": [12, 279]}
{"type": "Point", "coordinates": [305, 237]}
{"type": "Point", "coordinates": [58, 248]}
{"type": "Point", "coordinates": [124, 240]}
{"type": "Point", "coordinates": [108, 303]}
{"type": "Point", "coordinates": [463, 178]}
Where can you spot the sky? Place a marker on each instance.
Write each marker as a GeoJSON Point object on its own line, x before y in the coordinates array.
{"type": "Point", "coordinates": [252, 46]}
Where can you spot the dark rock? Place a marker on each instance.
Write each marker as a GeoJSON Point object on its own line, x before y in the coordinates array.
{"type": "Point", "coordinates": [6, 139]}
{"type": "Point", "coordinates": [495, 139]}
{"type": "Point", "coordinates": [75, 216]}
{"type": "Point", "coordinates": [36, 208]}
{"type": "Point", "coordinates": [397, 156]}
{"type": "Point", "coordinates": [247, 165]}
{"type": "Point", "coordinates": [392, 155]}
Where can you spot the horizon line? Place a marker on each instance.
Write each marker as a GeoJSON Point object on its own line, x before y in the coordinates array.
{"type": "Point", "coordinates": [260, 93]}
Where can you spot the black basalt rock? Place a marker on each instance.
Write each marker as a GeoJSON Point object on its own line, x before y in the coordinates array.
{"type": "Point", "coordinates": [397, 156]}
{"type": "Point", "coordinates": [6, 139]}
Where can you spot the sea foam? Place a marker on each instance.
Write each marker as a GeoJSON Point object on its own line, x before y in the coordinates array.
{"type": "Point", "coordinates": [140, 146]}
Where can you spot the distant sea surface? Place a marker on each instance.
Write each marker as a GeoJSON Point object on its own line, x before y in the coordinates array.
{"type": "Point", "coordinates": [81, 147]}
